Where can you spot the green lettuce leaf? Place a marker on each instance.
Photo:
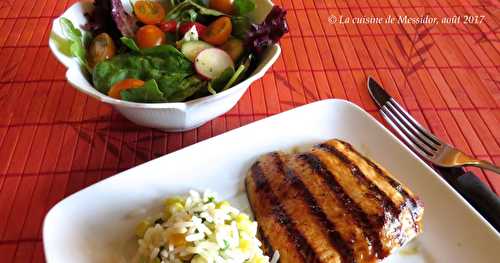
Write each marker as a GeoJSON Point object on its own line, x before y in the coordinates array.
{"type": "Point", "coordinates": [243, 7]}
{"type": "Point", "coordinates": [76, 40]}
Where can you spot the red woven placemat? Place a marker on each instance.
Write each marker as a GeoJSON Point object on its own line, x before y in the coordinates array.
{"type": "Point", "coordinates": [55, 141]}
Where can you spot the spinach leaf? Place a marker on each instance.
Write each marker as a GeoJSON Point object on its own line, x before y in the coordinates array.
{"type": "Point", "coordinates": [174, 60]}
{"type": "Point", "coordinates": [218, 84]}
{"type": "Point", "coordinates": [179, 11]}
{"type": "Point", "coordinates": [206, 11]}
{"type": "Point", "coordinates": [186, 88]}
{"type": "Point", "coordinates": [76, 40]}
{"type": "Point", "coordinates": [150, 63]}
{"type": "Point", "coordinates": [130, 43]}
{"type": "Point", "coordinates": [168, 67]}
{"type": "Point", "coordinates": [169, 83]}
{"type": "Point", "coordinates": [148, 93]}
{"type": "Point", "coordinates": [162, 51]}
{"type": "Point", "coordinates": [243, 7]}
{"type": "Point", "coordinates": [118, 68]}
{"type": "Point", "coordinates": [241, 25]}
{"type": "Point", "coordinates": [189, 15]}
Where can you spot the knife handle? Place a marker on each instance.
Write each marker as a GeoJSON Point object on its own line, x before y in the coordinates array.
{"type": "Point", "coordinates": [478, 194]}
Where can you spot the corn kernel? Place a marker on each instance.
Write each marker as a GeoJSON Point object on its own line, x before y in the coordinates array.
{"type": "Point", "coordinates": [245, 245]}
{"type": "Point", "coordinates": [172, 209]}
{"type": "Point", "coordinates": [173, 200]}
{"type": "Point", "coordinates": [242, 218]}
{"type": "Point", "coordinates": [243, 223]}
{"type": "Point", "coordinates": [178, 240]}
{"type": "Point", "coordinates": [198, 259]}
{"type": "Point", "coordinates": [141, 228]}
{"type": "Point", "coordinates": [222, 204]}
{"type": "Point", "coordinates": [257, 259]}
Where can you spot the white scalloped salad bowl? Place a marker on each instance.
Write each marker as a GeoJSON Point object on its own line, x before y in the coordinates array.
{"type": "Point", "coordinates": [179, 116]}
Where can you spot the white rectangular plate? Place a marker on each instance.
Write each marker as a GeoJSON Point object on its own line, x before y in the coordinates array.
{"type": "Point", "coordinates": [97, 224]}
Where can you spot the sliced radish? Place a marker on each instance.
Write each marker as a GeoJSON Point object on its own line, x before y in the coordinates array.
{"type": "Point", "coordinates": [191, 49]}
{"type": "Point", "coordinates": [210, 63]}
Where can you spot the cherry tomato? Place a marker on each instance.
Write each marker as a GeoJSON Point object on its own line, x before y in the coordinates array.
{"type": "Point", "coordinates": [219, 31]}
{"type": "Point", "coordinates": [125, 84]}
{"type": "Point", "coordinates": [150, 36]}
{"type": "Point", "coordinates": [150, 13]}
{"type": "Point", "coordinates": [101, 48]}
{"type": "Point", "coordinates": [224, 6]}
{"type": "Point", "coordinates": [188, 25]}
{"type": "Point", "coordinates": [168, 26]}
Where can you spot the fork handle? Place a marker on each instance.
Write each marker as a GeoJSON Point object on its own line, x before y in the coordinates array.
{"type": "Point", "coordinates": [488, 166]}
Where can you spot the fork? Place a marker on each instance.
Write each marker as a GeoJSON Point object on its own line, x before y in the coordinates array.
{"type": "Point", "coordinates": [425, 143]}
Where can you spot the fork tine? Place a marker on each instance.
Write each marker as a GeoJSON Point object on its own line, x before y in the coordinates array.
{"type": "Point", "coordinates": [412, 126]}
{"type": "Point", "coordinates": [429, 136]}
{"type": "Point", "coordinates": [417, 145]}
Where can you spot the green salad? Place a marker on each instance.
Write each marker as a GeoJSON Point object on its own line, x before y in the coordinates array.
{"type": "Point", "coordinates": [171, 50]}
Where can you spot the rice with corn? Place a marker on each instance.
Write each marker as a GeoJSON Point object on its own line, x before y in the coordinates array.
{"type": "Point", "coordinates": [199, 229]}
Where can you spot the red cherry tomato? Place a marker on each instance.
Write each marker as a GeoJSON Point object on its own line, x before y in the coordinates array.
{"type": "Point", "coordinates": [188, 25]}
{"type": "Point", "coordinates": [150, 36]}
{"type": "Point", "coordinates": [168, 26]}
{"type": "Point", "coordinates": [150, 13]}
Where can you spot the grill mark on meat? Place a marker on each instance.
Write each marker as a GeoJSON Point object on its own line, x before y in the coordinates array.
{"type": "Point", "coordinates": [266, 243]}
{"type": "Point", "coordinates": [263, 237]}
{"type": "Point", "coordinates": [407, 197]}
{"type": "Point", "coordinates": [278, 212]}
{"type": "Point", "coordinates": [386, 201]}
{"type": "Point", "coordinates": [344, 248]}
{"type": "Point", "coordinates": [360, 217]}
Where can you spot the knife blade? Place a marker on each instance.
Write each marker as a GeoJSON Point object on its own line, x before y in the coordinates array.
{"type": "Point", "coordinates": [379, 95]}
{"type": "Point", "coordinates": [468, 185]}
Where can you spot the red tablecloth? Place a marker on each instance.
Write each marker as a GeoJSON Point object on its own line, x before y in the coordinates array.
{"type": "Point", "coordinates": [55, 141]}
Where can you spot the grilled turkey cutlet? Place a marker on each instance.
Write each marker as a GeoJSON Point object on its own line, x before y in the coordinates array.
{"type": "Point", "coordinates": [330, 204]}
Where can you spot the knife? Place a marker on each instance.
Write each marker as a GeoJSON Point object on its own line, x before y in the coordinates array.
{"type": "Point", "coordinates": [477, 193]}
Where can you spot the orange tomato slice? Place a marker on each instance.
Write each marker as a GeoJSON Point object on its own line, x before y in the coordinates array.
{"type": "Point", "coordinates": [148, 12]}
{"type": "Point", "coordinates": [218, 32]}
{"type": "Point", "coordinates": [225, 6]}
{"type": "Point", "coordinates": [150, 36]}
{"type": "Point", "coordinates": [125, 84]}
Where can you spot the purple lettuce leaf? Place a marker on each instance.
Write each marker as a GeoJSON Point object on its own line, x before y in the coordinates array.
{"type": "Point", "coordinates": [109, 16]}
{"type": "Point", "coordinates": [269, 32]}
{"type": "Point", "coordinates": [126, 23]}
